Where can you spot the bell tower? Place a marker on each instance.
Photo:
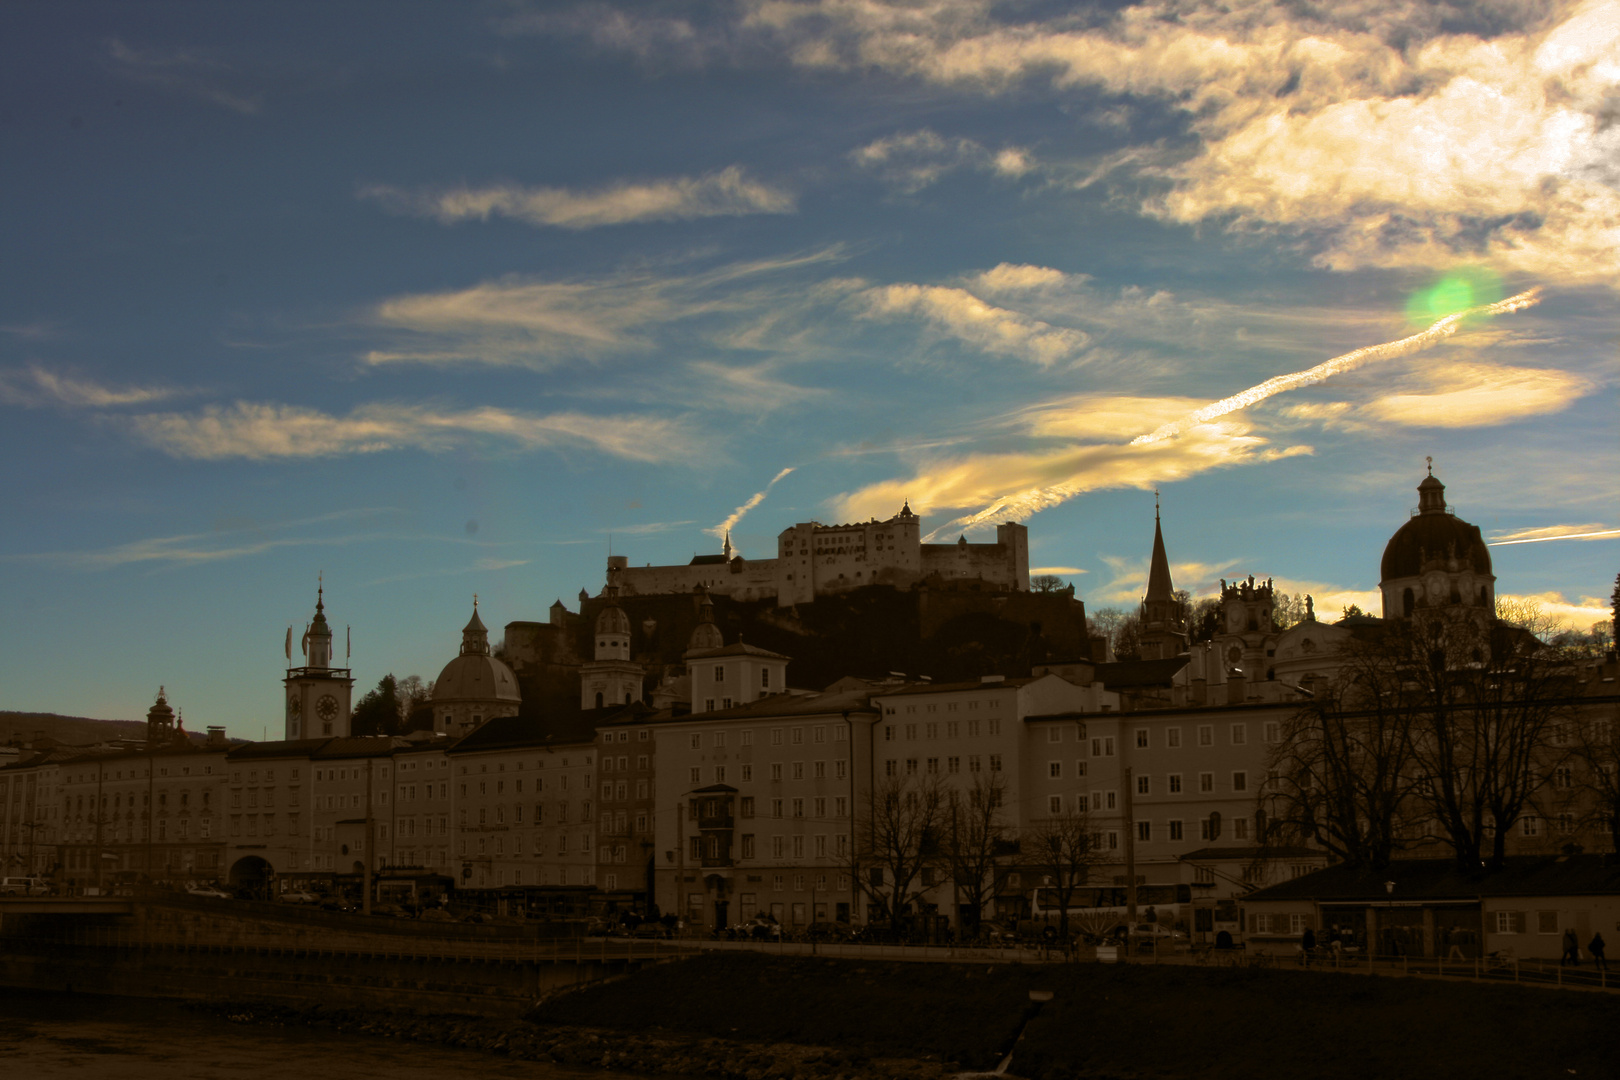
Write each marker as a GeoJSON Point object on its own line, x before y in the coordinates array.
{"type": "Point", "coordinates": [317, 694]}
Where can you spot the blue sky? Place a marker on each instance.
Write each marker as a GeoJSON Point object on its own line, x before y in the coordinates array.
{"type": "Point", "coordinates": [445, 298]}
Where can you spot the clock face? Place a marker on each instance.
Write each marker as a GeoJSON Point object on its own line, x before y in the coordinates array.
{"type": "Point", "coordinates": [327, 707]}
{"type": "Point", "coordinates": [1234, 654]}
{"type": "Point", "coordinates": [293, 708]}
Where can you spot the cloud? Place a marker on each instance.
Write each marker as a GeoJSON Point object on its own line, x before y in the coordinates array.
{"type": "Point", "coordinates": [1385, 135]}
{"type": "Point", "coordinates": [1056, 570]}
{"type": "Point", "coordinates": [1009, 277]}
{"type": "Point", "coordinates": [217, 546]}
{"type": "Point", "coordinates": [264, 432]}
{"type": "Point", "coordinates": [749, 389]}
{"type": "Point", "coordinates": [539, 323]}
{"type": "Point", "coordinates": [1544, 533]}
{"type": "Point", "coordinates": [1480, 395]}
{"type": "Point", "coordinates": [957, 313]}
{"type": "Point", "coordinates": [484, 565]}
{"type": "Point", "coordinates": [913, 160]}
{"type": "Point", "coordinates": [1582, 616]}
{"type": "Point", "coordinates": [649, 527]}
{"type": "Point", "coordinates": [1014, 486]}
{"type": "Point", "coordinates": [35, 387]}
{"type": "Point", "coordinates": [725, 193]}
{"type": "Point", "coordinates": [182, 72]}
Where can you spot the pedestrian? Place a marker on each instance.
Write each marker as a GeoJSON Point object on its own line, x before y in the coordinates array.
{"type": "Point", "coordinates": [1307, 942]}
{"type": "Point", "coordinates": [1572, 949]}
{"type": "Point", "coordinates": [1596, 947]}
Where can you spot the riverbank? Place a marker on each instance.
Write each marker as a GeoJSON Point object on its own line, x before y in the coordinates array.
{"type": "Point", "coordinates": [749, 1017]}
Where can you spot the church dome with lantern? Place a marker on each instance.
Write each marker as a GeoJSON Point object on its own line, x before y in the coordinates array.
{"type": "Point", "coordinates": [475, 686]}
{"type": "Point", "coordinates": [1435, 560]}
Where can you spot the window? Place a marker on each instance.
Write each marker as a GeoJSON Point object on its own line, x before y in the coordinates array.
{"type": "Point", "coordinates": [776, 771]}
{"type": "Point", "coordinates": [776, 736]}
{"type": "Point", "coordinates": [1206, 782]}
{"type": "Point", "coordinates": [838, 768]}
{"type": "Point", "coordinates": [778, 847]}
{"type": "Point", "coordinates": [1054, 769]}
{"type": "Point", "coordinates": [1144, 785]}
{"type": "Point", "coordinates": [1240, 781]}
{"type": "Point", "coordinates": [1111, 800]}
{"type": "Point", "coordinates": [697, 775]}
{"type": "Point", "coordinates": [798, 770]}
{"type": "Point", "coordinates": [1175, 783]}
{"type": "Point", "coordinates": [911, 766]}
{"type": "Point", "coordinates": [748, 845]}
{"type": "Point", "coordinates": [747, 739]}
{"type": "Point", "coordinates": [776, 808]}
{"type": "Point", "coordinates": [994, 725]}
{"type": "Point", "coordinates": [1144, 830]}
{"type": "Point", "coordinates": [1240, 734]}
{"type": "Point", "coordinates": [719, 774]}
{"type": "Point", "coordinates": [821, 809]}
{"type": "Point", "coordinates": [888, 733]}
{"type": "Point", "coordinates": [1206, 735]}
{"type": "Point", "coordinates": [995, 762]}
{"type": "Point", "coordinates": [798, 849]}
{"type": "Point", "coordinates": [1272, 732]}
{"type": "Point", "coordinates": [1510, 922]}
{"type": "Point", "coordinates": [1054, 805]}
{"type": "Point", "coordinates": [697, 741]}
{"type": "Point", "coordinates": [746, 806]}
{"type": "Point", "coordinates": [798, 736]}
{"type": "Point", "coordinates": [973, 763]}
{"type": "Point", "coordinates": [1530, 825]}
{"type": "Point", "coordinates": [1175, 830]}
{"type": "Point", "coordinates": [798, 808]}
{"type": "Point", "coordinates": [1172, 737]}
{"type": "Point", "coordinates": [1054, 734]}
{"type": "Point", "coordinates": [1141, 738]}
{"type": "Point", "coordinates": [764, 678]}
{"type": "Point", "coordinates": [719, 673]}
{"type": "Point", "coordinates": [933, 765]}
{"type": "Point", "coordinates": [1563, 777]}
{"type": "Point", "coordinates": [1102, 747]}
{"type": "Point", "coordinates": [1240, 828]}
{"type": "Point", "coordinates": [719, 738]}
{"type": "Point", "coordinates": [911, 731]}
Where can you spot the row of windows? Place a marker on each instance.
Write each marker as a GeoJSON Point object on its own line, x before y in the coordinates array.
{"type": "Point", "coordinates": [782, 847]}
{"type": "Point", "coordinates": [795, 770]}
{"type": "Point", "coordinates": [624, 736]}
{"type": "Point", "coordinates": [537, 848]}
{"type": "Point", "coordinates": [620, 791]}
{"type": "Point", "coordinates": [1144, 784]}
{"type": "Point", "coordinates": [950, 706]}
{"type": "Point", "coordinates": [517, 786]}
{"type": "Point", "coordinates": [931, 729]}
{"type": "Point", "coordinates": [497, 815]}
{"type": "Point", "coordinates": [953, 765]}
{"type": "Point", "coordinates": [747, 807]}
{"type": "Point", "coordinates": [764, 676]}
{"type": "Point", "coordinates": [622, 764]}
{"type": "Point", "coordinates": [779, 736]}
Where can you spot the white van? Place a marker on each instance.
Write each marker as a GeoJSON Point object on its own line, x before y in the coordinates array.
{"type": "Point", "coordinates": [23, 886]}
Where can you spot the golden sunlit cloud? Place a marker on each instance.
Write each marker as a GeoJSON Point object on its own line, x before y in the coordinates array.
{"type": "Point", "coordinates": [1593, 531]}
{"type": "Point", "coordinates": [726, 193]}
{"type": "Point", "coordinates": [1480, 395]}
{"type": "Point", "coordinates": [959, 314]}
{"type": "Point", "coordinates": [724, 528]}
{"type": "Point", "coordinates": [266, 431]}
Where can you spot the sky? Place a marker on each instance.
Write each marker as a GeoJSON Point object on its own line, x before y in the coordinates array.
{"type": "Point", "coordinates": [432, 300]}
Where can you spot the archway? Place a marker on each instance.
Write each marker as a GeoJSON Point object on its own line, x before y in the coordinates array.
{"type": "Point", "coordinates": [252, 874]}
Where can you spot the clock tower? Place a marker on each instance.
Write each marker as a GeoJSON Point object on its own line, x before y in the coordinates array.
{"type": "Point", "coordinates": [317, 694]}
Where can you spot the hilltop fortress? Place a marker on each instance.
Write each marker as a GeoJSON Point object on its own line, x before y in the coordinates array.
{"type": "Point", "coordinates": [823, 560]}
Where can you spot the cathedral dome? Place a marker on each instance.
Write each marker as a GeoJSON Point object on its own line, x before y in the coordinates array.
{"type": "Point", "coordinates": [613, 620]}
{"type": "Point", "coordinates": [1434, 534]}
{"type": "Point", "coordinates": [476, 677]}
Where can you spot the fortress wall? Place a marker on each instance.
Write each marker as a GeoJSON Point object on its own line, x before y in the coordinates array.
{"type": "Point", "coordinates": [992, 562]}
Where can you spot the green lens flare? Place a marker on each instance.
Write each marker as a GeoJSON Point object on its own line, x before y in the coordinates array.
{"type": "Point", "coordinates": [1457, 291]}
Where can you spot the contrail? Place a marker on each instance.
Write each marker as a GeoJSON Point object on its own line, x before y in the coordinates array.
{"type": "Point", "coordinates": [1023, 504]}
{"type": "Point", "coordinates": [1439, 331]}
{"type": "Point", "coordinates": [1565, 536]}
{"type": "Point", "coordinates": [753, 500]}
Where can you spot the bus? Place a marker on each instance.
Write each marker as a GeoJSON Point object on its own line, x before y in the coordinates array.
{"type": "Point", "coordinates": [1095, 906]}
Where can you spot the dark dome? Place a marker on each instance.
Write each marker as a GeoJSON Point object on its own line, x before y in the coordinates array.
{"type": "Point", "coordinates": [1433, 534]}
{"type": "Point", "coordinates": [471, 677]}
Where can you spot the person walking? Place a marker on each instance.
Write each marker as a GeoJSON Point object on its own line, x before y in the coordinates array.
{"type": "Point", "coordinates": [1572, 949]}
{"type": "Point", "coordinates": [1307, 942]}
{"type": "Point", "coordinates": [1596, 947]}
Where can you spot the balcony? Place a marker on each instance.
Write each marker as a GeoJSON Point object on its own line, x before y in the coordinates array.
{"type": "Point", "coordinates": [716, 821]}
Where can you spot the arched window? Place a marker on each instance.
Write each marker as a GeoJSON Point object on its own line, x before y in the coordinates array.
{"type": "Point", "coordinates": [1407, 602]}
{"type": "Point", "coordinates": [598, 699]}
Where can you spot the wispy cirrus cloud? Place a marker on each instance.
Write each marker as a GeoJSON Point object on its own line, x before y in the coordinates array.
{"type": "Point", "coordinates": [910, 161]}
{"type": "Point", "coordinates": [488, 564]}
{"type": "Point", "coordinates": [262, 432]}
{"type": "Point", "coordinates": [35, 386]}
{"type": "Point", "coordinates": [958, 314]}
{"type": "Point", "coordinates": [539, 323]}
{"type": "Point", "coordinates": [188, 73]}
{"type": "Point", "coordinates": [728, 192]}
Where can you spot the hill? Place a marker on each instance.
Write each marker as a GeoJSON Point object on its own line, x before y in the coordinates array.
{"type": "Point", "coordinates": [72, 730]}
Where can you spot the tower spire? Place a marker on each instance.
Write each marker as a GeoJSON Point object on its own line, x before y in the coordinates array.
{"type": "Point", "coordinates": [1159, 587]}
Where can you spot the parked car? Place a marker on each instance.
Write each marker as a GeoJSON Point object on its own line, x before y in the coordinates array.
{"type": "Point", "coordinates": [654, 930]}
{"type": "Point", "coordinates": [211, 892]}
{"type": "Point", "coordinates": [298, 896]}
{"type": "Point", "coordinates": [828, 931]}
{"type": "Point", "coordinates": [1147, 936]}
{"type": "Point", "coordinates": [24, 886]}
{"type": "Point", "coordinates": [761, 929]}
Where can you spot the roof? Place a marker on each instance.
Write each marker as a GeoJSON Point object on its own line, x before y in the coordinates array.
{"type": "Point", "coordinates": [1443, 879]}
{"type": "Point", "coordinates": [1251, 852]}
{"type": "Point", "coordinates": [360, 746]}
{"type": "Point", "coordinates": [552, 729]}
{"type": "Point", "coordinates": [975, 684]}
{"type": "Point", "coordinates": [282, 748]}
{"type": "Point", "coordinates": [1159, 589]}
{"type": "Point", "coordinates": [1141, 672]}
{"type": "Point", "coordinates": [819, 704]}
{"type": "Point", "coordinates": [1060, 716]}
{"type": "Point", "coordinates": [707, 560]}
{"type": "Point", "coordinates": [739, 649]}
{"type": "Point", "coordinates": [637, 712]}
{"type": "Point", "coordinates": [714, 789]}
{"type": "Point", "coordinates": [476, 677]}
{"type": "Point", "coordinates": [1433, 534]}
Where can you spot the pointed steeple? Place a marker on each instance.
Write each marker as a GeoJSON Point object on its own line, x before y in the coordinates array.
{"type": "Point", "coordinates": [728, 545]}
{"type": "Point", "coordinates": [1159, 588]}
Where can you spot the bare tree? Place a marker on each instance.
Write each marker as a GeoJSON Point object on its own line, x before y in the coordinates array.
{"type": "Point", "coordinates": [1492, 698]}
{"type": "Point", "coordinates": [1596, 771]}
{"type": "Point", "coordinates": [899, 838]}
{"type": "Point", "coordinates": [1063, 849]}
{"type": "Point", "coordinates": [1342, 773]}
{"type": "Point", "coordinates": [975, 841]}
{"type": "Point", "coordinates": [1047, 583]}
